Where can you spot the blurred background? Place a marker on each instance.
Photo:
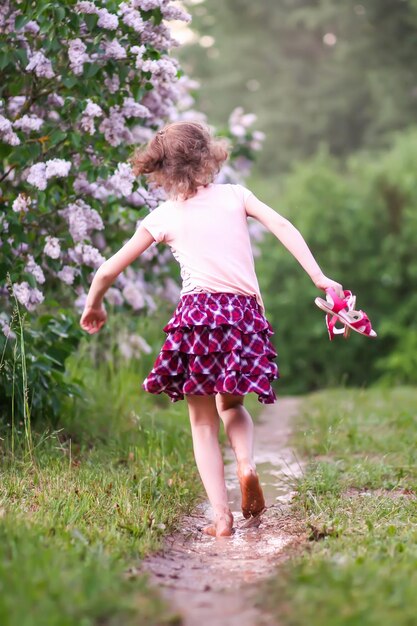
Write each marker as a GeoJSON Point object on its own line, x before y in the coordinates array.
{"type": "Point", "coordinates": [334, 89]}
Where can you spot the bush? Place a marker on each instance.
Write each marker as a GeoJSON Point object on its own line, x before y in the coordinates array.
{"type": "Point", "coordinates": [361, 224]}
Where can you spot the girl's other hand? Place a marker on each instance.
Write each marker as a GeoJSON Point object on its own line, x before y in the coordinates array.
{"type": "Point", "coordinates": [322, 282]}
{"type": "Point", "coordinates": [93, 319]}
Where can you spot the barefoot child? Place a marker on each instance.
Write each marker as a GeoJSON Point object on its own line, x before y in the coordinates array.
{"type": "Point", "coordinates": [217, 347]}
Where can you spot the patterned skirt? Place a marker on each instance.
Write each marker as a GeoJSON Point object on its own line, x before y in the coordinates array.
{"type": "Point", "coordinates": [216, 343]}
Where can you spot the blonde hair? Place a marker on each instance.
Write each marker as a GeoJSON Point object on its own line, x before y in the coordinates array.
{"type": "Point", "coordinates": [181, 157]}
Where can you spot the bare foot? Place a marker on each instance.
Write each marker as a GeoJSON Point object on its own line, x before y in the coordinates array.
{"type": "Point", "coordinates": [253, 501]}
{"type": "Point", "coordinates": [222, 527]}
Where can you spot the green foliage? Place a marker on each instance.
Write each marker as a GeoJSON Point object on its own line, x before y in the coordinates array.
{"type": "Point", "coordinates": [98, 495]}
{"type": "Point", "coordinates": [360, 499]}
{"type": "Point", "coordinates": [32, 366]}
{"type": "Point", "coordinates": [361, 224]}
{"type": "Point", "coordinates": [272, 58]}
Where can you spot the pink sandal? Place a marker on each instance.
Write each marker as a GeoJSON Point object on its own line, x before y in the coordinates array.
{"type": "Point", "coordinates": [342, 309]}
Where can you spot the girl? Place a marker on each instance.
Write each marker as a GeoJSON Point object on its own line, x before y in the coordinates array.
{"type": "Point", "coordinates": [217, 347]}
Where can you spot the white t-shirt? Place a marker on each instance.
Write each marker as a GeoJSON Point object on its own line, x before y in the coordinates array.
{"type": "Point", "coordinates": [208, 235]}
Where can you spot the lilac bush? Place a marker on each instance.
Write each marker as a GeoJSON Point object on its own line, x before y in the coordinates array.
{"type": "Point", "coordinates": [83, 83]}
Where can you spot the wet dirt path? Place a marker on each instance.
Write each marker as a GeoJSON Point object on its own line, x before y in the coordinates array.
{"type": "Point", "coordinates": [213, 581]}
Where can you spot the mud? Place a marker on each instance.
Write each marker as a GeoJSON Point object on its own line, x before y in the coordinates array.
{"type": "Point", "coordinates": [209, 580]}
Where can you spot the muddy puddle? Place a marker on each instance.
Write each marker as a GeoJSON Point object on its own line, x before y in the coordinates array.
{"type": "Point", "coordinates": [209, 580]}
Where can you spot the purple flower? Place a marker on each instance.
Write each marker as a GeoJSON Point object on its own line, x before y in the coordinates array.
{"type": "Point", "coordinates": [122, 180]}
{"type": "Point", "coordinates": [114, 128]}
{"type": "Point", "coordinates": [86, 7]}
{"type": "Point", "coordinates": [86, 255]}
{"type": "Point", "coordinates": [28, 296]}
{"type": "Point", "coordinates": [112, 83]}
{"type": "Point", "coordinates": [40, 65]}
{"type": "Point", "coordinates": [67, 274]}
{"type": "Point", "coordinates": [170, 12]}
{"type": "Point", "coordinates": [57, 167]}
{"type": "Point", "coordinates": [113, 50]}
{"type": "Point", "coordinates": [107, 20]}
{"type": "Point", "coordinates": [134, 296]}
{"type": "Point", "coordinates": [114, 297]}
{"type": "Point", "coordinates": [28, 123]}
{"type": "Point", "coordinates": [22, 203]}
{"type": "Point", "coordinates": [35, 269]}
{"type": "Point", "coordinates": [5, 326]}
{"type": "Point", "coordinates": [52, 247]}
{"type": "Point", "coordinates": [91, 111]}
{"type": "Point", "coordinates": [131, 108]}
{"type": "Point", "coordinates": [131, 17]}
{"type": "Point", "coordinates": [81, 219]}
{"type": "Point", "coordinates": [77, 55]}
{"type": "Point", "coordinates": [36, 176]}
{"type": "Point", "coordinates": [6, 132]}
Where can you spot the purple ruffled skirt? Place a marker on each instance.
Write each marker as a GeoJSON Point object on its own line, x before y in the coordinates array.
{"type": "Point", "coordinates": [216, 343]}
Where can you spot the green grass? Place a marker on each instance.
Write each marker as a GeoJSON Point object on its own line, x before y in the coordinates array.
{"type": "Point", "coordinates": [98, 494]}
{"type": "Point", "coordinates": [358, 494]}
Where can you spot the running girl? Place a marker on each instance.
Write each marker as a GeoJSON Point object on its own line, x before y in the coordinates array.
{"type": "Point", "coordinates": [218, 345]}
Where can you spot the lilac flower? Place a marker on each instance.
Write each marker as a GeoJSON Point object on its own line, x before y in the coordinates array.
{"type": "Point", "coordinates": [81, 219]}
{"type": "Point", "coordinates": [112, 83]}
{"type": "Point", "coordinates": [131, 17]}
{"type": "Point", "coordinates": [85, 254]}
{"type": "Point", "coordinates": [22, 203]}
{"type": "Point", "coordinates": [131, 108]}
{"type": "Point", "coordinates": [28, 296]}
{"type": "Point", "coordinates": [138, 51]}
{"type": "Point", "coordinates": [57, 167]}
{"type": "Point", "coordinates": [77, 55]}
{"type": "Point", "coordinates": [6, 132]}
{"type": "Point", "coordinates": [147, 5]}
{"type": "Point", "coordinates": [35, 269]}
{"type": "Point", "coordinates": [134, 296]}
{"type": "Point", "coordinates": [170, 12]}
{"type": "Point", "coordinates": [5, 327]}
{"type": "Point", "coordinates": [81, 300]}
{"type": "Point", "coordinates": [15, 104]}
{"type": "Point", "coordinates": [36, 176]}
{"type": "Point", "coordinates": [90, 112]}
{"type": "Point", "coordinates": [67, 274]}
{"type": "Point", "coordinates": [40, 65]}
{"type": "Point", "coordinates": [107, 20]}
{"type": "Point", "coordinates": [31, 27]}
{"type": "Point", "coordinates": [132, 346]}
{"type": "Point", "coordinates": [55, 100]}
{"type": "Point", "coordinates": [161, 69]}
{"type": "Point", "coordinates": [93, 110]}
{"type": "Point", "coordinates": [52, 247]}
{"type": "Point", "coordinates": [122, 180]}
{"type": "Point", "coordinates": [114, 128]}
{"type": "Point", "coordinates": [113, 50]}
{"type": "Point", "coordinates": [28, 123]}
{"type": "Point", "coordinates": [114, 297]}
{"type": "Point", "coordinates": [88, 8]}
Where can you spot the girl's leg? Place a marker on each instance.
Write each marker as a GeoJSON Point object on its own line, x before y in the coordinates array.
{"type": "Point", "coordinates": [239, 429]}
{"type": "Point", "coordinates": [205, 433]}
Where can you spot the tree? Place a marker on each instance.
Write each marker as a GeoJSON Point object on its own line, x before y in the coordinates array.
{"type": "Point", "coordinates": [314, 71]}
{"type": "Point", "coordinates": [82, 83]}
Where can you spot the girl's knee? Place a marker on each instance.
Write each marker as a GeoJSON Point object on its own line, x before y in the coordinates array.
{"type": "Point", "coordinates": [226, 401]}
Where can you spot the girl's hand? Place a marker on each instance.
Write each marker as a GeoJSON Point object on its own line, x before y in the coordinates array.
{"type": "Point", "coordinates": [322, 282]}
{"type": "Point", "coordinates": [93, 319]}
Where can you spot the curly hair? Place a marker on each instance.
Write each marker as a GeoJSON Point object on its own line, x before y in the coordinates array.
{"type": "Point", "coordinates": [181, 157]}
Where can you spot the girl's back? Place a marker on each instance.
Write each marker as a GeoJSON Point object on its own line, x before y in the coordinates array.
{"type": "Point", "coordinates": [208, 235]}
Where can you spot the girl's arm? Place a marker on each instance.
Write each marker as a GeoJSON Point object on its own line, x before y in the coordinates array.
{"type": "Point", "coordinates": [94, 315]}
{"type": "Point", "coordinates": [292, 239]}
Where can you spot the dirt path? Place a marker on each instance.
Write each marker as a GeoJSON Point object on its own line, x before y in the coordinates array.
{"type": "Point", "coordinates": [212, 581]}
